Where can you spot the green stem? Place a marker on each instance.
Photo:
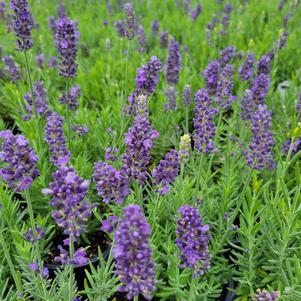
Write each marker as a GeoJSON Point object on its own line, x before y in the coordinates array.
{"type": "Point", "coordinates": [136, 298]}
{"type": "Point", "coordinates": [71, 252]}
{"type": "Point", "coordinates": [10, 263]}
{"type": "Point", "coordinates": [31, 215]}
{"type": "Point", "coordinates": [187, 119]}
{"type": "Point", "coordinates": [68, 111]}
{"type": "Point", "coordinates": [191, 290]}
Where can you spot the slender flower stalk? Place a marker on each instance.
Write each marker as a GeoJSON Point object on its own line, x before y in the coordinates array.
{"type": "Point", "coordinates": [130, 21]}
{"type": "Point", "coordinates": [173, 63]}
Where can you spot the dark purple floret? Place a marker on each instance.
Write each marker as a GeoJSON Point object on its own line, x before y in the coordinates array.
{"type": "Point", "coordinates": [171, 94]}
{"type": "Point", "coordinates": [187, 96]}
{"type": "Point", "coordinates": [259, 154]}
{"type": "Point", "coordinates": [52, 24]}
{"type": "Point", "coordinates": [211, 76]}
{"type": "Point", "coordinates": [53, 62]}
{"type": "Point", "coordinates": [72, 98]}
{"type": "Point", "coordinates": [29, 235]}
{"type": "Point", "coordinates": [263, 295]}
{"type": "Point", "coordinates": [246, 68]}
{"type": "Point", "coordinates": [40, 60]}
{"type": "Point", "coordinates": [193, 241]}
{"type": "Point", "coordinates": [66, 40]}
{"type": "Point", "coordinates": [224, 97]}
{"type": "Point", "coordinates": [110, 224]}
{"type": "Point", "coordinates": [263, 65]}
{"type": "Point", "coordinates": [79, 129]}
{"type": "Point", "coordinates": [120, 28]}
{"type": "Point", "coordinates": [173, 63]}
{"type": "Point", "coordinates": [226, 55]}
{"type": "Point", "coordinates": [80, 257]}
{"type": "Point", "coordinates": [282, 42]}
{"type": "Point", "coordinates": [18, 159]}
{"type": "Point", "coordinates": [35, 267]}
{"type": "Point", "coordinates": [130, 20]}
{"type": "Point", "coordinates": [133, 256]}
{"type": "Point", "coordinates": [295, 146]}
{"type": "Point", "coordinates": [195, 13]}
{"type": "Point", "coordinates": [141, 39]}
{"type": "Point", "coordinates": [11, 67]}
{"type": "Point", "coordinates": [167, 170]}
{"type": "Point", "coordinates": [228, 8]}
{"type": "Point", "coordinates": [204, 127]}
{"type": "Point", "coordinates": [40, 100]}
{"type": "Point", "coordinates": [164, 39]}
{"type": "Point", "coordinates": [2, 10]}
{"type": "Point", "coordinates": [22, 23]}
{"type": "Point", "coordinates": [68, 191]}
{"type": "Point", "coordinates": [286, 19]}
{"type": "Point", "coordinates": [138, 141]}
{"type": "Point", "coordinates": [111, 185]}
{"type": "Point", "coordinates": [111, 154]}
{"type": "Point", "coordinates": [155, 27]}
{"type": "Point", "coordinates": [54, 136]}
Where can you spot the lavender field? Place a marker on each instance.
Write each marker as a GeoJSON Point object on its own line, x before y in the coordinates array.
{"type": "Point", "coordinates": [150, 150]}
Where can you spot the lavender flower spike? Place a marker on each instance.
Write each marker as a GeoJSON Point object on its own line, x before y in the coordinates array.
{"type": "Point", "coordinates": [11, 67]}
{"type": "Point", "coordinates": [195, 13]}
{"type": "Point", "coordinates": [19, 161]}
{"type": "Point", "coordinates": [164, 39]}
{"type": "Point", "coordinates": [204, 127]}
{"type": "Point", "coordinates": [111, 184]}
{"type": "Point", "coordinates": [184, 148]}
{"type": "Point", "coordinates": [263, 295]}
{"type": "Point", "coordinates": [22, 23]}
{"type": "Point", "coordinates": [171, 94]}
{"type": "Point", "coordinates": [173, 63]}
{"type": "Point", "coordinates": [167, 170]}
{"type": "Point", "coordinates": [68, 191]}
{"type": "Point", "coordinates": [66, 40]}
{"type": "Point", "coordinates": [141, 38]}
{"type": "Point", "coordinates": [259, 154]}
{"type": "Point", "coordinates": [133, 256]}
{"type": "Point", "coordinates": [130, 20]}
{"type": "Point", "coordinates": [246, 69]}
{"type": "Point", "coordinates": [211, 75]}
{"type": "Point", "coordinates": [193, 241]}
{"type": "Point", "coordinates": [226, 55]}
{"type": "Point", "coordinates": [187, 96]}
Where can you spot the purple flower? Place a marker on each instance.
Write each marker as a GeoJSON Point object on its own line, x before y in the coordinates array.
{"type": "Point", "coordinates": [79, 130]}
{"type": "Point", "coordinates": [224, 97]}
{"type": "Point", "coordinates": [226, 55]}
{"type": "Point", "coordinates": [40, 100]}
{"type": "Point", "coordinates": [204, 127]}
{"type": "Point", "coordinates": [80, 257]}
{"type": "Point", "coordinates": [112, 185]}
{"type": "Point", "coordinates": [286, 19]}
{"type": "Point", "coordinates": [130, 20]}
{"type": "Point", "coordinates": [111, 153]}
{"type": "Point", "coordinates": [29, 235]}
{"type": "Point", "coordinates": [141, 39]}
{"type": "Point", "coordinates": [18, 159]}
{"type": "Point", "coordinates": [155, 27]}
{"type": "Point", "coordinates": [173, 63]}
{"type": "Point", "coordinates": [53, 62]}
{"type": "Point", "coordinates": [109, 225]}
{"type": "Point", "coordinates": [35, 267]}
{"type": "Point", "coordinates": [259, 154]}
{"type": "Point", "coordinates": [2, 10]}
{"type": "Point", "coordinates": [120, 28]}
{"type": "Point", "coordinates": [66, 40]}
{"type": "Point", "coordinates": [55, 138]}
{"type": "Point", "coordinates": [40, 60]}
{"type": "Point", "coordinates": [60, 10]}
{"type": "Point", "coordinates": [211, 76]}
{"type": "Point", "coordinates": [282, 42]}
{"type": "Point", "coordinates": [133, 256]}
{"type": "Point", "coordinates": [167, 170]}
{"type": "Point", "coordinates": [187, 6]}
{"type": "Point", "coordinates": [193, 241]}
{"type": "Point", "coordinates": [68, 191]}
{"type": "Point", "coordinates": [138, 141]}
{"type": "Point", "coordinates": [164, 39]}
{"type": "Point", "coordinates": [263, 65]}
{"type": "Point", "coordinates": [280, 5]}
{"type": "Point", "coordinates": [294, 145]}
{"type": "Point", "coordinates": [263, 295]}
{"type": "Point", "coordinates": [11, 67]}
{"type": "Point", "coordinates": [246, 68]}
{"type": "Point", "coordinates": [72, 98]}
{"type": "Point", "coordinates": [186, 98]}
{"type": "Point", "coordinates": [195, 13]}
{"type": "Point", "coordinates": [52, 24]}
{"type": "Point", "coordinates": [171, 94]}
{"type": "Point", "coordinates": [22, 23]}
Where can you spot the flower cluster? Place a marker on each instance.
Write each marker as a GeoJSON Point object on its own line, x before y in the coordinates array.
{"type": "Point", "coordinates": [79, 259]}
{"type": "Point", "coordinates": [40, 60]}
{"type": "Point", "coordinates": [246, 69]}
{"type": "Point", "coordinates": [130, 21]}
{"type": "Point", "coordinates": [79, 129]}
{"type": "Point", "coordinates": [110, 224]}
{"type": "Point", "coordinates": [68, 191]}
{"type": "Point", "coordinates": [195, 13]}
{"type": "Point", "coordinates": [187, 96]}
{"type": "Point", "coordinates": [193, 241]}
{"type": "Point", "coordinates": [133, 255]}
{"type": "Point", "coordinates": [164, 39]}
{"type": "Point", "coordinates": [19, 169]}
{"type": "Point", "coordinates": [167, 170]}
{"type": "Point", "coordinates": [72, 98]}
{"type": "Point", "coordinates": [141, 38]}
{"type": "Point", "coordinates": [22, 23]}
{"type": "Point", "coordinates": [112, 185]}
{"type": "Point", "coordinates": [11, 67]}
{"type": "Point", "coordinates": [259, 154]}
{"type": "Point", "coordinates": [54, 136]}
{"type": "Point", "coordinates": [226, 55]}
{"type": "Point", "coordinates": [120, 28]}
{"type": "Point", "coordinates": [66, 40]}
{"type": "Point", "coordinates": [282, 42]}
{"type": "Point", "coordinates": [35, 267]}
{"type": "Point", "coordinates": [204, 127]}
{"type": "Point", "coordinates": [155, 27]}
{"type": "Point", "coordinates": [138, 141]}
{"type": "Point", "coordinates": [263, 295]}
{"type": "Point", "coordinates": [184, 147]}
{"type": "Point", "coordinates": [264, 64]}
{"type": "Point", "coordinates": [29, 235]}
{"type": "Point", "coordinates": [173, 63]}
{"type": "Point", "coordinates": [211, 75]}
{"type": "Point", "coordinates": [171, 94]}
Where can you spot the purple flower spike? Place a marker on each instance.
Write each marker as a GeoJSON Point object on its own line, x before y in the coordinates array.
{"type": "Point", "coordinates": [66, 40]}
{"type": "Point", "coordinates": [72, 98]}
{"type": "Point", "coordinates": [298, 105]}
{"type": "Point", "coordinates": [68, 191]}
{"type": "Point", "coordinates": [80, 257]}
{"type": "Point", "coordinates": [259, 154]}
{"type": "Point", "coordinates": [226, 55]}
{"type": "Point", "coordinates": [52, 24]}
{"type": "Point", "coordinates": [211, 75]}
{"type": "Point", "coordinates": [19, 161]}
{"type": "Point", "coordinates": [263, 295]}
{"type": "Point", "coordinates": [195, 13]}
{"type": "Point", "coordinates": [40, 60]}
{"type": "Point", "coordinates": [187, 98]}
{"type": "Point", "coordinates": [193, 241]}
{"type": "Point", "coordinates": [204, 127]}
{"type": "Point", "coordinates": [133, 256]}
{"type": "Point", "coordinates": [167, 170]}
{"type": "Point", "coordinates": [130, 21]}
{"type": "Point", "coordinates": [112, 185]}
{"type": "Point", "coordinates": [11, 67]}
{"type": "Point", "coordinates": [164, 39]}
{"type": "Point", "coordinates": [54, 136]}
{"type": "Point", "coordinates": [2, 10]}
{"type": "Point", "coordinates": [171, 94]}
{"type": "Point", "coordinates": [35, 267]}
{"type": "Point", "coordinates": [263, 65]}
{"type": "Point", "coordinates": [120, 28]}
{"type": "Point", "coordinates": [246, 69]}
{"type": "Point", "coordinates": [22, 23]}
{"type": "Point", "coordinates": [282, 42]}
{"type": "Point", "coordinates": [141, 39]}
{"type": "Point", "coordinates": [30, 237]}
{"type": "Point", "coordinates": [173, 63]}
{"type": "Point", "coordinates": [155, 27]}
